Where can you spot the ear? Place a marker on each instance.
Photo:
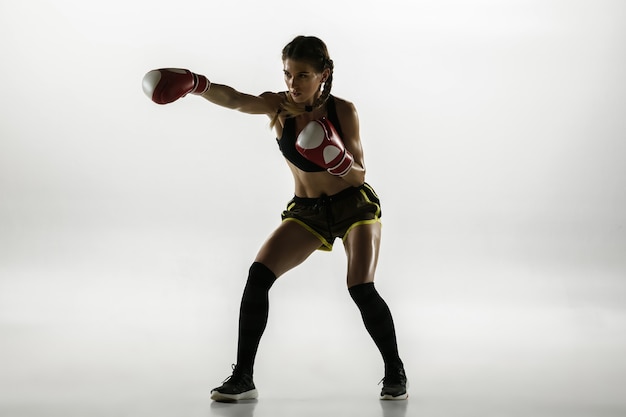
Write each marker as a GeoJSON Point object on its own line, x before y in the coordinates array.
{"type": "Point", "coordinates": [325, 74]}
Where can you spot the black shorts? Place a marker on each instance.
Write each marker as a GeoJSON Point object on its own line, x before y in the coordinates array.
{"type": "Point", "coordinates": [329, 217]}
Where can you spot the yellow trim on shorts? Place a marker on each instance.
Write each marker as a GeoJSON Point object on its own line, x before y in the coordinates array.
{"type": "Point", "coordinates": [362, 222]}
{"type": "Point", "coordinates": [369, 187]}
{"type": "Point", "coordinates": [371, 221]}
{"type": "Point", "coordinates": [370, 201]}
{"type": "Point", "coordinates": [326, 246]}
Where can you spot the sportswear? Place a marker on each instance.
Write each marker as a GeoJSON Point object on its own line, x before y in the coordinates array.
{"type": "Point", "coordinates": [330, 217]}
{"type": "Point", "coordinates": [238, 386]}
{"type": "Point", "coordinates": [394, 384]}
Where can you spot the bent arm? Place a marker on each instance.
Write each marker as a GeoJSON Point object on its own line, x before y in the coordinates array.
{"type": "Point", "coordinates": [352, 140]}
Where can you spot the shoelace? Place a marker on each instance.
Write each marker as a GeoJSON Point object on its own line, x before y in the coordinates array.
{"type": "Point", "coordinates": [382, 381]}
{"type": "Point", "coordinates": [233, 367]}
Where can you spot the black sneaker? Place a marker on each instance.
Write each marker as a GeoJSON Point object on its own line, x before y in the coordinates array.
{"type": "Point", "coordinates": [238, 386]}
{"type": "Point", "coordinates": [394, 385]}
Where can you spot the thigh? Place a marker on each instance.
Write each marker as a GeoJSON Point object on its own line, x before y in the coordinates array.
{"type": "Point", "coordinates": [287, 247]}
{"type": "Point", "coordinates": [362, 247]}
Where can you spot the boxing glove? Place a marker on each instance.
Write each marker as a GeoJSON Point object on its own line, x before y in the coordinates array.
{"type": "Point", "coordinates": [320, 143]}
{"type": "Point", "coordinates": [167, 85]}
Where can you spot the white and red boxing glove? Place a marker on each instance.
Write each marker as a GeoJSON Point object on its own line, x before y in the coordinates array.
{"type": "Point", "coordinates": [167, 85]}
{"type": "Point", "coordinates": [320, 143]}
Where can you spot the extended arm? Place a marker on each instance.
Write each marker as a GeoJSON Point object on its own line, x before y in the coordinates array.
{"type": "Point", "coordinates": [167, 85]}
{"type": "Point", "coordinates": [225, 96]}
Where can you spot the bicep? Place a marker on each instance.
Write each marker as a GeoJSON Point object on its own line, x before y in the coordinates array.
{"type": "Point", "coordinates": [352, 135]}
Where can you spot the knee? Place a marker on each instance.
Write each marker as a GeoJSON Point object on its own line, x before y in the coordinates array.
{"type": "Point", "coordinates": [269, 262]}
{"type": "Point", "coordinates": [356, 280]}
{"type": "Point", "coordinates": [360, 292]}
{"type": "Point", "coordinates": [261, 275]}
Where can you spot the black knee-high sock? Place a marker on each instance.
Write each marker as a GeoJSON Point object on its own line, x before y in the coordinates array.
{"type": "Point", "coordinates": [253, 314]}
{"type": "Point", "coordinates": [378, 321]}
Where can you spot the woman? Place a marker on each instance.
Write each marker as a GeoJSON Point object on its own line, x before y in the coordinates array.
{"type": "Point", "coordinates": [319, 136]}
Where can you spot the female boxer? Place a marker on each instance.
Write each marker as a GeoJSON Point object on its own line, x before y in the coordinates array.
{"type": "Point", "coordinates": [318, 135]}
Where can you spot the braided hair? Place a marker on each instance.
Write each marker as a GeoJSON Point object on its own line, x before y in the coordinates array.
{"type": "Point", "coordinates": [313, 51]}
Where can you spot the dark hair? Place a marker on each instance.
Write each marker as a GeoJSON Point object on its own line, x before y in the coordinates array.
{"type": "Point", "coordinates": [309, 49]}
{"type": "Point", "coordinates": [313, 51]}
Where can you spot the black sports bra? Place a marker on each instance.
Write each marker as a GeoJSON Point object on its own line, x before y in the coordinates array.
{"type": "Point", "coordinates": [287, 142]}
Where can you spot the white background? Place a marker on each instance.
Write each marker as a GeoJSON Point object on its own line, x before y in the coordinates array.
{"type": "Point", "coordinates": [494, 133]}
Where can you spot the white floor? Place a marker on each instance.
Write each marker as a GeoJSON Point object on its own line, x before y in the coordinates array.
{"type": "Point", "coordinates": [116, 369]}
{"type": "Point", "coordinates": [147, 328]}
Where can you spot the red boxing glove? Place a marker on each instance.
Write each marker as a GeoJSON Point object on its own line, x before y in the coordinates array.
{"type": "Point", "coordinates": [169, 84]}
{"type": "Point", "coordinates": [320, 143]}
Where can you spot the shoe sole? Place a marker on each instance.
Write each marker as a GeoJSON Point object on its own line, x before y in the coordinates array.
{"type": "Point", "coordinates": [248, 395]}
{"type": "Point", "coordinates": [388, 397]}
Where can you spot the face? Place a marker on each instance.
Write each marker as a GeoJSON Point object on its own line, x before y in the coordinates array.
{"type": "Point", "coordinates": [303, 81]}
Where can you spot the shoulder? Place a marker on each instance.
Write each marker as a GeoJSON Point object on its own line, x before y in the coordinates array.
{"type": "Point", "coordinates": [272, 97]}
{"type": "Point", "coordinates": [343, 105]}
{"type": "Point", "coordinates": [274, 101]}
{"type": "Point", "coordinates": [346, 111]}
